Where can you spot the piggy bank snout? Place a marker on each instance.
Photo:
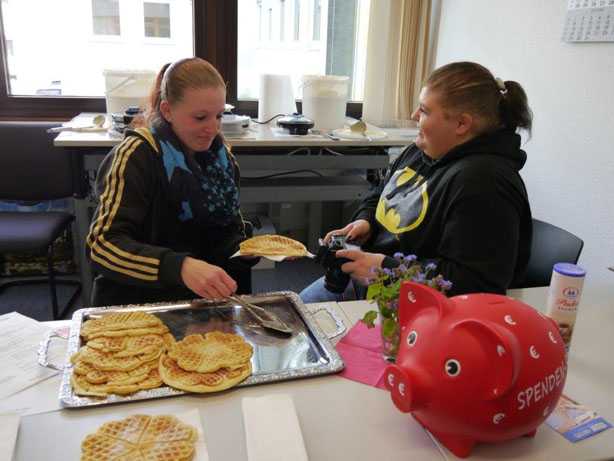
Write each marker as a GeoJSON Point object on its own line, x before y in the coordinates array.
{"type": "Point", "coordinates": [399, 384]}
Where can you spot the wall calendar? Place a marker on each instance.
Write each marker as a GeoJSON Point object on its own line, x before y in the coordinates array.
{"type": "Point", "coordinates": [589, 21]}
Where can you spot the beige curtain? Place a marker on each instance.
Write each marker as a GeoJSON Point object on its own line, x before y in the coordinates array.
{"type": "Point", "coordinates": [398, 55]}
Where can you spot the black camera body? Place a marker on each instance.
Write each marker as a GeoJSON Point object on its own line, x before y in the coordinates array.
{"type": "Point", "coordinates": [335, 280]}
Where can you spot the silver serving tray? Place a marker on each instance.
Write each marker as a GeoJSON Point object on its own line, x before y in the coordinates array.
{"type": "Point", "coordinates": [307, 352]}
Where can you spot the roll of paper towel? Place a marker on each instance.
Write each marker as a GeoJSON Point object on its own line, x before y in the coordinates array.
{"type": "Point", "coordinates": [276, 96]}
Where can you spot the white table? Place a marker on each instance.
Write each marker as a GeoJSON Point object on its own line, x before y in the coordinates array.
{"type": "Point", "coordinates": [259, 153]}
{"type": "Point", "coordinates": [344, 420]}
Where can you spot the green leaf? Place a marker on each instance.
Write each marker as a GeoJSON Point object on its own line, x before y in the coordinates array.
{"type": "Point", "coordinates": [369, 318]}
{"type": "Point", "coordinates": [374, 290]}
{"type": "Point", "coordinates": [388, 328]}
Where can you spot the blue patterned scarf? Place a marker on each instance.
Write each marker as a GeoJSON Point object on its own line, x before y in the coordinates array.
{"type": "Point", "coordinates": [202, 186]}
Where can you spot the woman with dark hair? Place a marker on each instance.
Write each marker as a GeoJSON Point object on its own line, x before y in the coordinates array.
{"type": "Point", "coordinates": [454, 197]}
{"type": "Point", "coordinates": [168, 218]}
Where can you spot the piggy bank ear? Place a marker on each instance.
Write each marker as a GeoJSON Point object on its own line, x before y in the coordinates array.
{"type": "Point", "coordinates": [501, 350]}
{"type": "Point", "coordinates": [414, 297]}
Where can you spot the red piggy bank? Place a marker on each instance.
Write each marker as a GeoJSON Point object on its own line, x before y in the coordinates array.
{"type": "Point", "coordinates": [475, 368]}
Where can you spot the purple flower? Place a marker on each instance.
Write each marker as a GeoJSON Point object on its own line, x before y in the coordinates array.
{"type": "Point", "coordinates": [402, 268]}
{"type": "Point", "coordinates": [398, 255]}
{"type": "Point", "coordinates": [418, 278]}
{"type": "Point", "coordinates": [410, 258]}
{"type": "Point", "coordinates": [444, 284]}
{"type": "Point", "coordinates": [388, 272]}
{"type": "Point", "coordinates": [430, 267]}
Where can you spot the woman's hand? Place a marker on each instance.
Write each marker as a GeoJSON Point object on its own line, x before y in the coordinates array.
{"type": "Point", "coordinates": [362, 265]}
{"type": "Point", "coordinates": [357, 231]}
{"type": "Point", "coordinates": [207, 280]}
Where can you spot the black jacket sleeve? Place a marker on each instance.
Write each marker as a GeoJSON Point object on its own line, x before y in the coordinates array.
{"type": "Point", "coordinates": [116, 245]}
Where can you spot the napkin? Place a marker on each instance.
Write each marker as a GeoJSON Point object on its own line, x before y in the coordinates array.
{"type": "Point", "coordinates": [277, 438]}
{"type": "Point", "coordinates": [361, 351]}
{"type": "Point", "coordinates": [192, 417]}
{"type": "Point", "coordinates": [276, 258]}
{"type": "Point", "coordinates": [9, 424]}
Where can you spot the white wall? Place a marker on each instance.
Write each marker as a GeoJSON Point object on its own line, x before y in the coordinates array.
{"type": "Point", "coordinates": [570, 167]}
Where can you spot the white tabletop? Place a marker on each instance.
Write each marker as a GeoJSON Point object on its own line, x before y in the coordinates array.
{"type": "Point", "coordinates": [257, 136]}
{"type": "Point", "coordinates": [345, 420]}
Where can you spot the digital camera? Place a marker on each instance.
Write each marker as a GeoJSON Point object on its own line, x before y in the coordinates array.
{"type": "Point", "coordinates": [335, 280]}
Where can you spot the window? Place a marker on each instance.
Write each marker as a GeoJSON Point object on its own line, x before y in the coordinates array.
{"type": "Point", "coordinates": [157, 19]}
{"type": "Point", "coordinates": [71, 63]}
{"type": "Point", "coordinates": [317, 13]}
{"type": "Point", "coordinates": [105, 15]}
{"type": "Point", "coordinates": [314, 48]}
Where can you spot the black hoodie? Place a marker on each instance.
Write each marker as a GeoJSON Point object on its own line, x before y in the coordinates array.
{"type": "Point", "coordinates": [468, 212]}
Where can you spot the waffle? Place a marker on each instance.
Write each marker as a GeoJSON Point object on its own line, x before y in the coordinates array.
{"type": "Point", "coordinates": [157, 330]}
{"type": "Point", "coordinates": [126, 346]}
{"type": "Point", "coordinates": [140, 438]}
{"type": "Point", "coordinates": [215, 350]}
{"type": "Point", "coordinates": [120, 321]}
{"type": "Point", "coordinates": [192, 381]}
{"type": "Point", "coordinates": [94, 376]}
{"type": "Point", "coordinates": [82, 386]}
{"type": "Point", "coordinates": [272, 245]}
{"type": "Point", "coordinates": [109, 361]}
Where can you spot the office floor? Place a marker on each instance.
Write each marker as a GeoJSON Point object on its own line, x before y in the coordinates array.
{"type": "Point", "coordinates": [34, 300]}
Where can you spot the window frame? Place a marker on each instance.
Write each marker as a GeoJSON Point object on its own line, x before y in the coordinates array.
{"type": "Point", "coordinates": [215, 39]}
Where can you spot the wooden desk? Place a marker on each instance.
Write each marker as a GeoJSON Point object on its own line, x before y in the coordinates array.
{"type": "Point", "coordinates": [344, 420]}
{"type": "Point", "coordinates": [262, 150]}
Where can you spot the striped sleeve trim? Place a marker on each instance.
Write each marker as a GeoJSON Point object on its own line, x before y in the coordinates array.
{"type": "Point", "coordinates": [104, 252]}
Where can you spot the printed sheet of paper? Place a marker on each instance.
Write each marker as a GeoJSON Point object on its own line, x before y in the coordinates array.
{"type": "Point", "coordinates": [20, 337]}
{"type": "Point", "coordinates": [575, 421]}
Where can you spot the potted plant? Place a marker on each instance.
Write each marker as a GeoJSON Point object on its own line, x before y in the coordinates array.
{"type": "Point", "coordinates": [385, 291]}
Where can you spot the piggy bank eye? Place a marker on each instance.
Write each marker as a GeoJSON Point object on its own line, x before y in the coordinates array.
{"type": "Point", "coordinates": [412, 337]}
{"type": "Point", "coordinates": [453, 367]}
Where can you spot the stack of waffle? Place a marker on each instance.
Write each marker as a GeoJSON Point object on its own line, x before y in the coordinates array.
{"type": "Point", "coordinates": [141, 437]}
{"type": "Point", "coordinates": [209, 363]}
{"type": "Point", "coordinates": [120, 355]}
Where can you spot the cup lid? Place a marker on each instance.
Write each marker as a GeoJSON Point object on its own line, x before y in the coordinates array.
{"type": "Point", "coordinates": [571, 270]}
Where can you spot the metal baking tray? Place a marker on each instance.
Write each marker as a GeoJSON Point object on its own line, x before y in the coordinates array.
{"type": "Point", "coordinates": [307, 352]}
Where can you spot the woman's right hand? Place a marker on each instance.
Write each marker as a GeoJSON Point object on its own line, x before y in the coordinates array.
{"type": "Point", "coordinates": [357, 231]}
{"type": "Point", "coordinates": [207, 280]}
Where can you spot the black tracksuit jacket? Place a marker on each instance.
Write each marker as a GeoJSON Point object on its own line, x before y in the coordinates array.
{"type": "Point", "coordinates": [137, 243]}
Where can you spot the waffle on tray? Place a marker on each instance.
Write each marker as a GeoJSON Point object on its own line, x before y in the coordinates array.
{"type": "Point", "coordinates": [272, 245]}
{"type": "Point", "coordinates": [128, 352]}
{"type": "Point", "coordinates": [209, 363]}
{"type": "Point", "coordinates": [121, 354]}
{"type": "Point", "coordinates": [140, 438]}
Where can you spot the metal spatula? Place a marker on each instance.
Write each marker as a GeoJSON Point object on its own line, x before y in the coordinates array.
{"type": "Point", "coordinates": [273, 322]}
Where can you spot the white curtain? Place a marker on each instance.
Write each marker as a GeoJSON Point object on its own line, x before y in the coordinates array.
{"type": "Point", "coordinates": [399, 52]}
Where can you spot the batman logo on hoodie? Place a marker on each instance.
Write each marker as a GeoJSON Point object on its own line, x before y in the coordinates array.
{"type": "Point", "coordinates": [403, 202]}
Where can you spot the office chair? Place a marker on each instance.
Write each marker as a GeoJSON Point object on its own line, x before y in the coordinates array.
{"type": "Point", "coordinates": [31, 169]}
{"type": "Point", "coordinates": [550, 245]}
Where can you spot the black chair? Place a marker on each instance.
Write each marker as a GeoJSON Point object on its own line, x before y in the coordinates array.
{"type": "Point", "coordinates": [32, 170]}
{"type": "Point", "coordinates": [550, 245]}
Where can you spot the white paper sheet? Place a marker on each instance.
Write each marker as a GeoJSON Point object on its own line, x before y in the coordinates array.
{"type": "Point", "coordinates": [192, 417]}
{"type": "Point", "coordinates": [272, 429]}
{"type": "Point", "coordinates": [9, 425]}
{"type": "Point", "coordinates": [19, 340]}
{"type": "Point", "coordinates": [37, 399]}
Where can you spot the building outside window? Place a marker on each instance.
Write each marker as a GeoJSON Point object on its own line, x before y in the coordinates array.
{"type": "Point", "coordinates": [157, 19]}
{"type": "Point", "coordinates": [71, 58]}
{"type": "Point", "coordinates": [314, 49]}
{"type": "Point", "coordinates": [105, 17]}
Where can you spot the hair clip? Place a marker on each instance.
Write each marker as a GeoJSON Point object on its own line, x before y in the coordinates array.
{"type": "Point", "coordinates": [501, 85]}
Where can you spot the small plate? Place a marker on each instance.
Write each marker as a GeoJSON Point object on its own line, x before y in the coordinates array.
{"type": "Point", "coordinates": [346, 133]}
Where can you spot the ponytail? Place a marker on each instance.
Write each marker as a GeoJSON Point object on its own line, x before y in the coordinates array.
{"type": "Point", "coordinates": [514, 109]}
{"type": "Point", "coordinates": [155, 96]}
